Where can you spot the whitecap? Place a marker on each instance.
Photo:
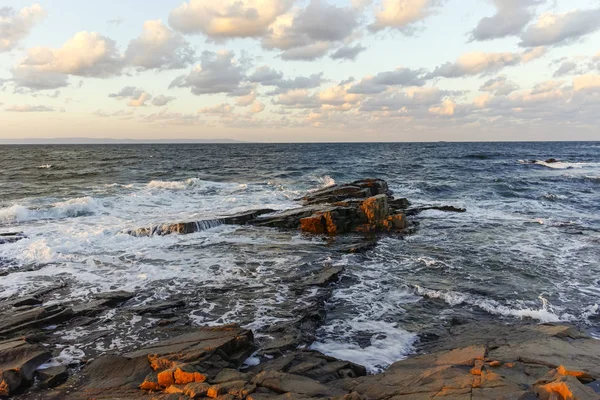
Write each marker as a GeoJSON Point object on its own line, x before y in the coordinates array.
{"type": "Point", "coordinates": [323, 182]}
{"type": "Point", "coordinates": [64, 209]}
{"type": "Point", "coordinates": [45, 166]}
{"type": "Point", "coordinates": [170, 185]}
{"type": "Point", "coordinates": [561, 164]}
{"type": "Point", "coordinates": [544, 314]}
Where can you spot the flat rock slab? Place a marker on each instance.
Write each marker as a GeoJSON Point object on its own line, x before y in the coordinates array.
{"type": "Point", "coordinates": [190, 357]}
{"type": "Point", "coordinates": [18, 362]}
{"type": "Point", "coordinates": [502, 362]}
{"type": "Point", "coordinates": [26, 318]}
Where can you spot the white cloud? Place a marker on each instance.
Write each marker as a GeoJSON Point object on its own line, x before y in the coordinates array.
{"type": "Point", "coordinates": [500, 86]}
{"type": "Point", "coordinates": [584, 82]}
{"type": "Point", "coordinates": [310, 52]}
{"type": "Point", "coordinates": [85, 54]}
{"type": "Point", "coordinates": [298, 98]}
{"type": "Point", "coordinates": [380, 82]}
{"type": "Point", "coordinates": [140, 100]}
{"type": "Point", "coordinates": [14, 26]}
{"type": "Point", "coordinates": [162, 100]}
{"type": "Point", "coordinates": [479, 63]}
{"type": "Point", "coordinates": [308, 33]}
{"type": "Point", "coordinates": [556, 29]}
{"type": "Point", "coordinates": [348, 52]}
{"type": "Point", "coordinates": [257, 107]}
{"type": "Point", "coordinates": [217, 73]}
{"type": "Point", "coordinates": [402, 14]}
{"type": "Point", "coordinates": [227, 18]}
{"type": "Point", "coordinates": [165, 117]}
{"type": "Point", "coordinates": [136, 97]}
{"type": "Point", "coordinates": [447, 108]}
{"type": "Point", "coordinates": [29, 108]}
{"type": "Point", "coordinates": [338, 98]}
{"type": "Point", "coordinates": [159, 47]}
{"type": "Point", "coordinates": [510, 19]}
{"type": "Point", "coordinates": [406, 98]}
{"type": "Point", "coordinates": [244, 101]}
{"type": "Point", "coordinates": [265, 75]}
{"type": "Point", "coordinates": [221, 109]}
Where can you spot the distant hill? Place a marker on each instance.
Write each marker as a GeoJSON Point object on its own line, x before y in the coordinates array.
{"type": "Point", "coordinates": [77, 140]}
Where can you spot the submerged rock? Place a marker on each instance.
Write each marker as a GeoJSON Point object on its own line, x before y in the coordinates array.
{"type": "Point", "coordinates": [184, 228]}
{"type": "Point", "coordinates": [11, 237]}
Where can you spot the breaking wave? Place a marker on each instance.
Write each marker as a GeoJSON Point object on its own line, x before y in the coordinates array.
{"type": "Point", "coordinates": [543, 314]}
{"type": "Point", "coordinates": [560, 164]}
{"type": "Point", "coordinates": [65, 209]}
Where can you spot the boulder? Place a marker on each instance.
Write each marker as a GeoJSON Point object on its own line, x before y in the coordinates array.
{"type": "Point", "coordinates": [356, 190]}
{"type": "Point", "coordinates": [369, 215]}
{"type": "Point", "coordinates": [18, 362]}
{"type": "Point", "coordinates": [52, 377]}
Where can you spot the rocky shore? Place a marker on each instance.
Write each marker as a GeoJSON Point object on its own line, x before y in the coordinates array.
{"type": "Point", "coordinates": [180, 360]}
{"type": "Point", "coordinates": [468, 362]}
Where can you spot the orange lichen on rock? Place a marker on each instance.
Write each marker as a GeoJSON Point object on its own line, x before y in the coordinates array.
{"type": "Point", "coordinates": [159, 363]}
{"type": "Point", "coordinates": [375, 208]}
{"type": "Point", "coordinates": [166, 378]}
{"type": "Point", "coordinates": [188, 375]}
{"type": "Point", "coordinates": [582, 376]}
{"type": "Point", "coordinates": [494, 363]}
{"type": "Point", "coordinates": [151, 383]}
{"type": "Point", "coordinates": [560, 388]}
{"type": "Point", "coordinates": [395, 223]}
{"type": "Point", "coordinates": [476, 370]}
{"type": "Point", "coordinates": [320, 223]}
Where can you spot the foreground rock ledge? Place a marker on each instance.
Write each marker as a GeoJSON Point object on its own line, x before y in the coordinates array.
{"type": "Point", "coordinates": [548, 362]}
{"type": "Point", "coordinates": [365, 206]}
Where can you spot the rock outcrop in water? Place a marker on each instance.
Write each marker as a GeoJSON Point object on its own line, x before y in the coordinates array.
{"type": "Point", "coordinates": [472, 362]}
{"type": "Point", "coordinates": [365, 206]}
{"type": "Point", "coordinates": [11, 237]}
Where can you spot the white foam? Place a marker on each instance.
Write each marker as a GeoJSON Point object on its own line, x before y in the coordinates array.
{"type": "Point", "coordinates": [45, 166]}
{"type": "Point", "coordinates": [172, 185]}
{"type": "Point", "coordinates": [388, 344]}
{"type": "Point", "coordinates": [64, 209]}
{"type": "Point", "coordinates": [543, 314]}
{"type": "Point", "coordinates": [322, 183]}
{"type": "Point", "coordinates": [325, 181]}
{"type": "Point", "coordinates": [561, 164]}
{"type": "Point", "coordinates": [15, 213]}
{"type": "Point", "coordinates": [69, 355]}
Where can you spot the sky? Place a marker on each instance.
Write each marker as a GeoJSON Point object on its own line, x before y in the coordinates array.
{"type": "Point", "coordinates": [301, 70]}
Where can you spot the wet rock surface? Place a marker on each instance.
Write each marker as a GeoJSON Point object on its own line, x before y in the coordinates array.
{"type": "Point", "coordinates": [488, 362]}
{"type": "Point", "coordinates": [171, 357]}
{"type": "Point", "coordinates": [365, 206]}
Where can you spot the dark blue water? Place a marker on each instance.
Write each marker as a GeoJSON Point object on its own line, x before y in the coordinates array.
{"type": "Point", "coordinates": [527, 249]}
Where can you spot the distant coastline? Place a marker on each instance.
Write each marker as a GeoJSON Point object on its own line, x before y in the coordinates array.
{"type": "Point", "coordinates": [77, 140]}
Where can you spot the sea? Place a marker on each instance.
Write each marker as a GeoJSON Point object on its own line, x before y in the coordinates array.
{"type": "Point", "coordinates": [526, 250]}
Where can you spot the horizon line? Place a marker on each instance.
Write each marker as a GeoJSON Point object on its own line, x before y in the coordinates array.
{"type": "Point", "coordinates": [80, 140]}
